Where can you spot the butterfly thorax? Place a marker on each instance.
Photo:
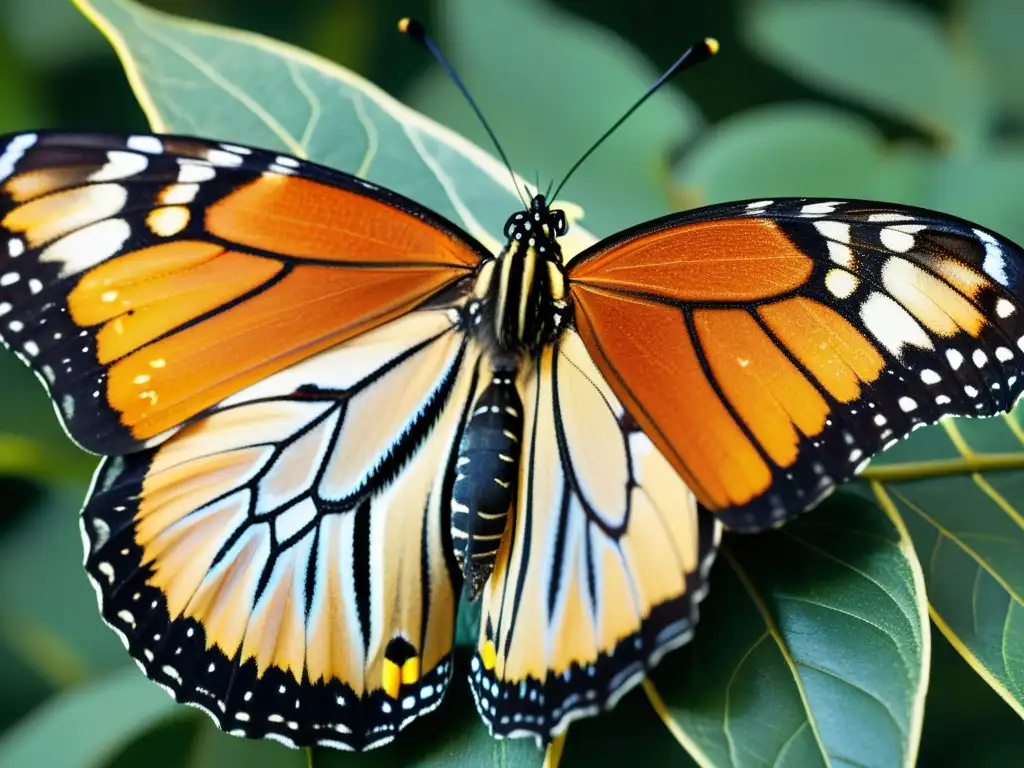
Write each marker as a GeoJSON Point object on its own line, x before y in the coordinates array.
{"type": "Point", "coordinates": [522, 292]}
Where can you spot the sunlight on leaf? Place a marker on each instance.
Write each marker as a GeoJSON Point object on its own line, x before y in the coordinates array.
{"type": "Point", "coordinates": [221, 83]}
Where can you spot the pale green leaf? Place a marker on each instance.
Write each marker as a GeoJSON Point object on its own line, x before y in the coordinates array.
{"type": "Point", "coordinates": [220, 83]}
{"type": "Point", "coordinates": [890, 56]}
{"type": "Point", "coordinates": [785, 150]}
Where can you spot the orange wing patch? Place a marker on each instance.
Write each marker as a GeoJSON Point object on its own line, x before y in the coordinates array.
{"type": "Point", "coordinates": [827, 344]}
{"type": "Point", "coordinates": [145, 279]}
{"type": "Point", "coordinates": [645, 352]}
{"type": "Point", "coordinates": [769, 394]}
{"type": "Point", "coordinates": [303, 218]}
{"type": "Point", "coordinates": [723, 260]}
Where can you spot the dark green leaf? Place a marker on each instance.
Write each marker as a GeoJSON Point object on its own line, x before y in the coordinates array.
{"type": "Point", "coordinates": [215, 749]}
{"type": "Point", "coordinates": [813, 647]}
{"type": "Point", "coordinates": [83, 727]}
{"type": "Point", "coordinates": [969, 534]}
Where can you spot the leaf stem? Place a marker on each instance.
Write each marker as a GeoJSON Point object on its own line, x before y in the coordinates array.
{"type": "Point", "coordinates": [919, 470]}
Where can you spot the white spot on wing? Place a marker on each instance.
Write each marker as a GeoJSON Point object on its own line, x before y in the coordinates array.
{"type": "Point", "coordinates": [1004, 308]}
{"type": "Point", "coordinates": [841, 283]}
{"type": "Point", "coordinates": [892, 325]}
{"type": "Point", "coordinates": [820, 208]}
{"type": "Point", "coordinates": [223, 158]}
{"type": "Point", "coordinates": [995, 259]}
{"type": "Point", "coordinates": [151, 145]}
{"type": "Point", "coordinates": [840, 254]}
{"type": "Point", "coordinates": [195, 173]}
{"type": "Point", "coordinates": [955, 359]}
{"type": "Point", "coordinates": [85, 248]}
{"type": "Point", "coordinates": [13, 151]}
{"type": "Point", "coordinates": [888, 218]}
{"type": "Point", "coordinates": [907, 404]}
{"type": "Point", "coordinates": [120, 165]}
{"type": "Point", "coordinates": [834, 230]}
{"type": "Point", "coordinates": [15, 247]}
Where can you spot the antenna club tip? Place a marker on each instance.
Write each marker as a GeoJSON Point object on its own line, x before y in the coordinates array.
{"type": "Point", "coordinates": [412, 28]}
{"type": "Point", "coordinates": [712, 45]}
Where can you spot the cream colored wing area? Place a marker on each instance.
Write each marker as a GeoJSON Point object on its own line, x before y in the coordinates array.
{"type": "Point", "coordinates": [281, 563]}
{"type": "Point", "coordinates": [605, 563]}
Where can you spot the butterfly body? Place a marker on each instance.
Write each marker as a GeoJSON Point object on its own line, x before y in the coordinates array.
{"type": "Point", "coordinates": [317, 400]}
{"type": "Point", "coordinates": [487, 473]}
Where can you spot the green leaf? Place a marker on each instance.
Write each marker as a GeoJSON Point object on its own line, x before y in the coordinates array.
{"type": "Point", "coordinates": [785, 150]}
{"type": "Point", "coordinates": [48, 615]}
{"type": "Point", "coordinates": [986, 187]}
{"type": "Point", "coordinates": [83, 727]}
{"type": "Point", "coordinates": [969, 534]}
{"type": "Point", "coordinates": [890, 56]}
{"type": "Point", "coordinates": [214, 749]}
{"type": "Point", "coordinates": [813, 648]}
{"type": "Point", "coordinates": [168, 744]}
{"type": "Point", "coordinates": [220, 83]}
{"type": "Point", "coordinates": [994, 26]}
{"type": "Point", "coordinates": [550, 84]}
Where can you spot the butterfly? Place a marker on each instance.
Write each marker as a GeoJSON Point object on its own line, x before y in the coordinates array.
{"type": "Point", "coordinates": [324, 410]}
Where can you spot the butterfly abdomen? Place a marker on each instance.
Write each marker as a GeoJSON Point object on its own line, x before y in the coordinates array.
{"type": "Point", "coordinates": [486, 471]}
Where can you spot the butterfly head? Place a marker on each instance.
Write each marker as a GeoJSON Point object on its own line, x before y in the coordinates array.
{"type": "Point", "coordinates": [540, 223]}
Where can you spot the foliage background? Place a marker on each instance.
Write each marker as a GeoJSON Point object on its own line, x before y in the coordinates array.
{"type": "Point", "coordinates": [761, 120]}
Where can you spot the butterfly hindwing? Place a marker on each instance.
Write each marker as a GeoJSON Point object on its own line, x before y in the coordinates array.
{"type": "Point", "coordinates": [282, 562]}
{"type": "Point", "coordinates": [129, 263]}
{"type": "Point", "coordinates": [602, 565]}
{"type": "Point", "coordinates": [770, 348]}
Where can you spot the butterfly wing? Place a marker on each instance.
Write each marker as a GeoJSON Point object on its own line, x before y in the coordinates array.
{"type": "Point", "coordinates": [602, 565]}
{"type": "Point", "coordinates": [769, 348]}
{"type": "Point", "coordinates": [281, 563]}
{"type": "Point", "coordinates": [145, 278]}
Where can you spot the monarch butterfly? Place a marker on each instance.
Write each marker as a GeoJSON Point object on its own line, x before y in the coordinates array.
{"type": "Point", "coordinates": [324, 409]}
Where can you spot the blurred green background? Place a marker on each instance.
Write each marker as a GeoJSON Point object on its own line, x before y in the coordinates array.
{"type": "Point", "coordinates": [920, 101]}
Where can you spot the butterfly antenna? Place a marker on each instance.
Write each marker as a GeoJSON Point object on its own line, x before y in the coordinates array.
{"type": "Point", "coordinates": [692, 56]}
{"type": "Point", "coordinates": [416, 31]}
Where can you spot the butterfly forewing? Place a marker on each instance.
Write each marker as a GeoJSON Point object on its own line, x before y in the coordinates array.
{"type": "Point", "coordinates": [281, 562]}
{"type": "Point", "coordinates": [769, 348]}
{"type": "Point", "coordinates": [127, 264]}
